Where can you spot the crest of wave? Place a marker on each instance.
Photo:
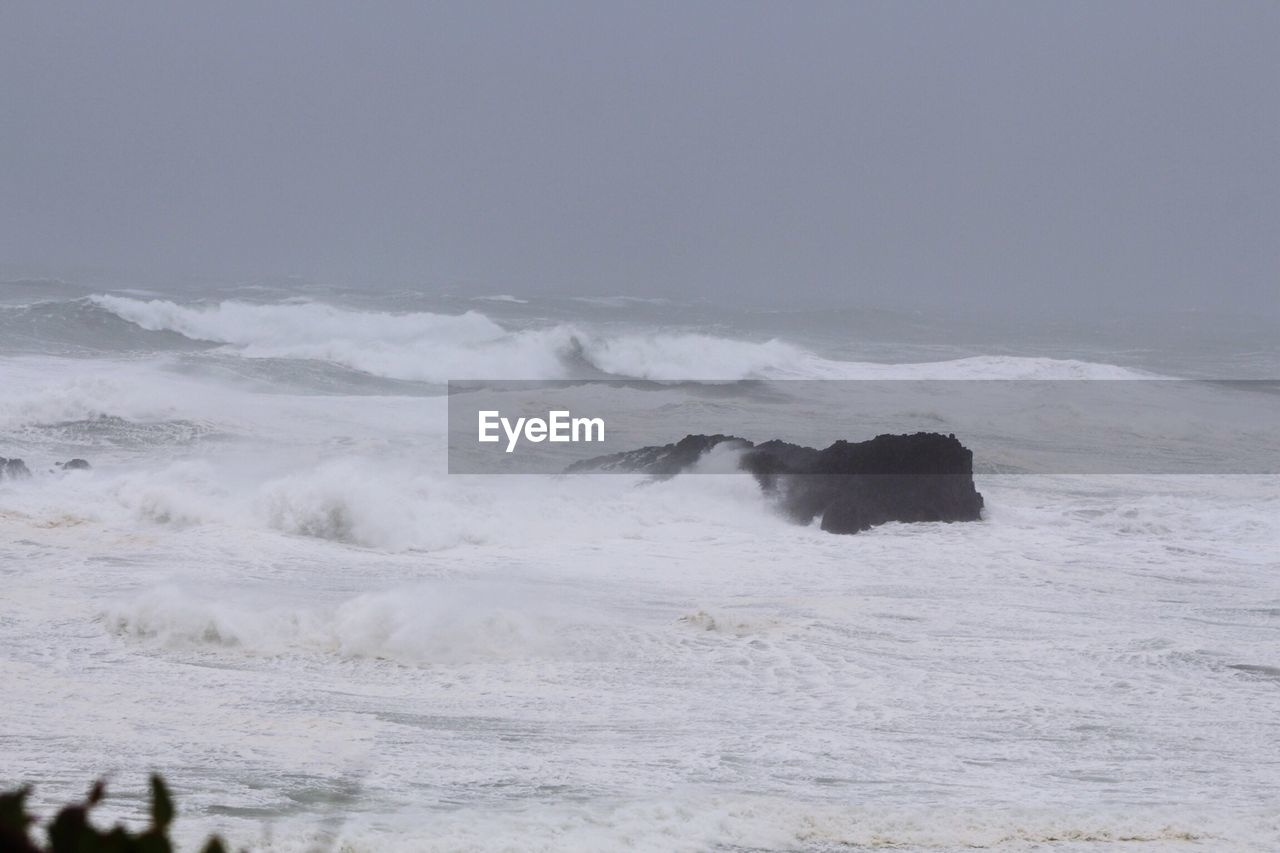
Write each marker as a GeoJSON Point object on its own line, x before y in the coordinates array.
{"type": "Point", "coordinates": [694, 356]}
{"type": "Point", "coordinates": [385, 506]}
{"type": "Point", "coordinates": [37, 392]}
{"type": "Point", "coordinates": [431, 347]}
{"type": "Point", "coordinates": [418, 346]}
{"type": "Point", "coordinates": [364, 503]}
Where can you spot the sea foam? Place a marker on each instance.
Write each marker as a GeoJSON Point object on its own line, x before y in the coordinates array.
{"type": "Point", "coordinates": [433, 347]}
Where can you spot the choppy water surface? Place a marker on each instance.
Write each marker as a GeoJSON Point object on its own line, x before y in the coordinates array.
{"type": "Point", "coordinates": [268, 589]}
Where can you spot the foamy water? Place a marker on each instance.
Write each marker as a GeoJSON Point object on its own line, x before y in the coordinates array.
{"type": "Point", "coordinates": [268, 589]}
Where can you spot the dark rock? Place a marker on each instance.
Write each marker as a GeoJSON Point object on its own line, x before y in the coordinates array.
{"type": "Point", "coordinates": [662, 462]}
{"type": "Point", "coordinates": [74, 465]}
{"type": "Point", "coordinates": [851, 486]}
{"type": "Point", "coordinates": [13, 469]}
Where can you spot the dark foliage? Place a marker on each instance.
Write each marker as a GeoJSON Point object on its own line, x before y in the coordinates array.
{"type": "Point", "coordinates": [71, 832]}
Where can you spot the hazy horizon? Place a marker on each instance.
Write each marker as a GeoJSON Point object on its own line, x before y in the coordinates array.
{"type": "Point", "coordinates": [1084, 157]}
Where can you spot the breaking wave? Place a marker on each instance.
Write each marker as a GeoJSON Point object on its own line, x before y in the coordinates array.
{"type": "Point", "coordinates": [385, 506]}
{"type": "Point", "coordinates": [431, 347]}
{"type": "Point", "coordinates": [413, 626]}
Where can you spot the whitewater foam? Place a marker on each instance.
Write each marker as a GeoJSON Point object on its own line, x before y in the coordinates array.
{"type": "Point", "coordinates": [435, 348]}
{"type": "Point", "coordinates": [306, 621]}
{"type": "Point", "coordinates": [414, 626]}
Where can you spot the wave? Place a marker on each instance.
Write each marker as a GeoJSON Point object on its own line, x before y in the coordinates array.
{"type": "Point", "coordinates": [384, 505]}
{"type": "Point", "coordinates": [431, 347]}
{"type": "Point", "coordinates": [371, 504]}
{"type": "Point", "coordinates": [91, 405]}
{"type": "Point", "coordinates": [87, 397]}
{"type": "Point", "coordinates": [110, 431]}
{"type": "Point", "coordinates": [419, 346]}
{"type": "Point", "coordinates": [137, 402]}
{"type": "Point", "coordinates": [65, 406]}
{"type": "Point", "coordinates": [360, 503]}
{"type": "Point", "coordinates": [417, 625]}
{"type": "Point", "coordinates": [81, 326]}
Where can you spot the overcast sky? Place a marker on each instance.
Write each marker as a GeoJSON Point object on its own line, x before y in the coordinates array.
{"type": "Point", "coordinates": [1022, 152]}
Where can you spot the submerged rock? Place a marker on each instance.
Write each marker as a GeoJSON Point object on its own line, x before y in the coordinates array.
{"type": "Point", "coordinates": [850, 486]}
{"type": "Point", "coordinates": [74, 465]}
{"type": "Point", "coordinates": [13, 469]}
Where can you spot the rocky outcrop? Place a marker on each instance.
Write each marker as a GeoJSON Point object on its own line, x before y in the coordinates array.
{"type": "Point", "coordinates": [16, 469]}
{"type": "Point", "coordinates": [664, 461]}
{"type": "Point", "coordinates": [850, 486]}
{"type": "Point", "coordinates": [13, 469]}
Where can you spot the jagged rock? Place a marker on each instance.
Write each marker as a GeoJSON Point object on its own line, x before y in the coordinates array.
{"type": "Point", "coordinates": [665, 461]}
{"type": "Point", "coordinates": [13, 469]}
{"type": "Point", "coordinates": [74, 465]}
{"type": "Point", "coordinates": [851, 486]}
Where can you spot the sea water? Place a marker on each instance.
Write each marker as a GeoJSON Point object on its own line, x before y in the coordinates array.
{"type": "Point", "coordinates": [268, 589]}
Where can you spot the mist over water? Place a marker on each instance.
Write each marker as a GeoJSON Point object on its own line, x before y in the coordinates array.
{"type": "Point", "coordinates": [1076, 160]}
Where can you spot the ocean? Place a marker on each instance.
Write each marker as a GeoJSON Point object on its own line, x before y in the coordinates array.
{"type": "Point", "coordinates": [268, 588]}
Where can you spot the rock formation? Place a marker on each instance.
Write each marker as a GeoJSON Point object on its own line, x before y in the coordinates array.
{"type": "Point", "coordinates": [850, 486]}
{"type": "Point", "coordinates": [13, 469]}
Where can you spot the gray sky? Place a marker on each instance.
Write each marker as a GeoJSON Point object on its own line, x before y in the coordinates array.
{"type": "Point", "coordinates": [1021, 153]}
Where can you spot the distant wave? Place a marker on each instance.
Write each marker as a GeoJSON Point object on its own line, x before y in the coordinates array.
{"type": "Point", "coordinates": [434, 348]}
{"type": "Point", "coordinates": [621, 301]}
{"type": "Point", "coordinates": [81, 326]}
{"type": "Point", "coordinates": [417, 346]}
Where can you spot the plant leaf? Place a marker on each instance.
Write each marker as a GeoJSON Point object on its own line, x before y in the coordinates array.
{"type": "Point", "coordinates": [161, 804]}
